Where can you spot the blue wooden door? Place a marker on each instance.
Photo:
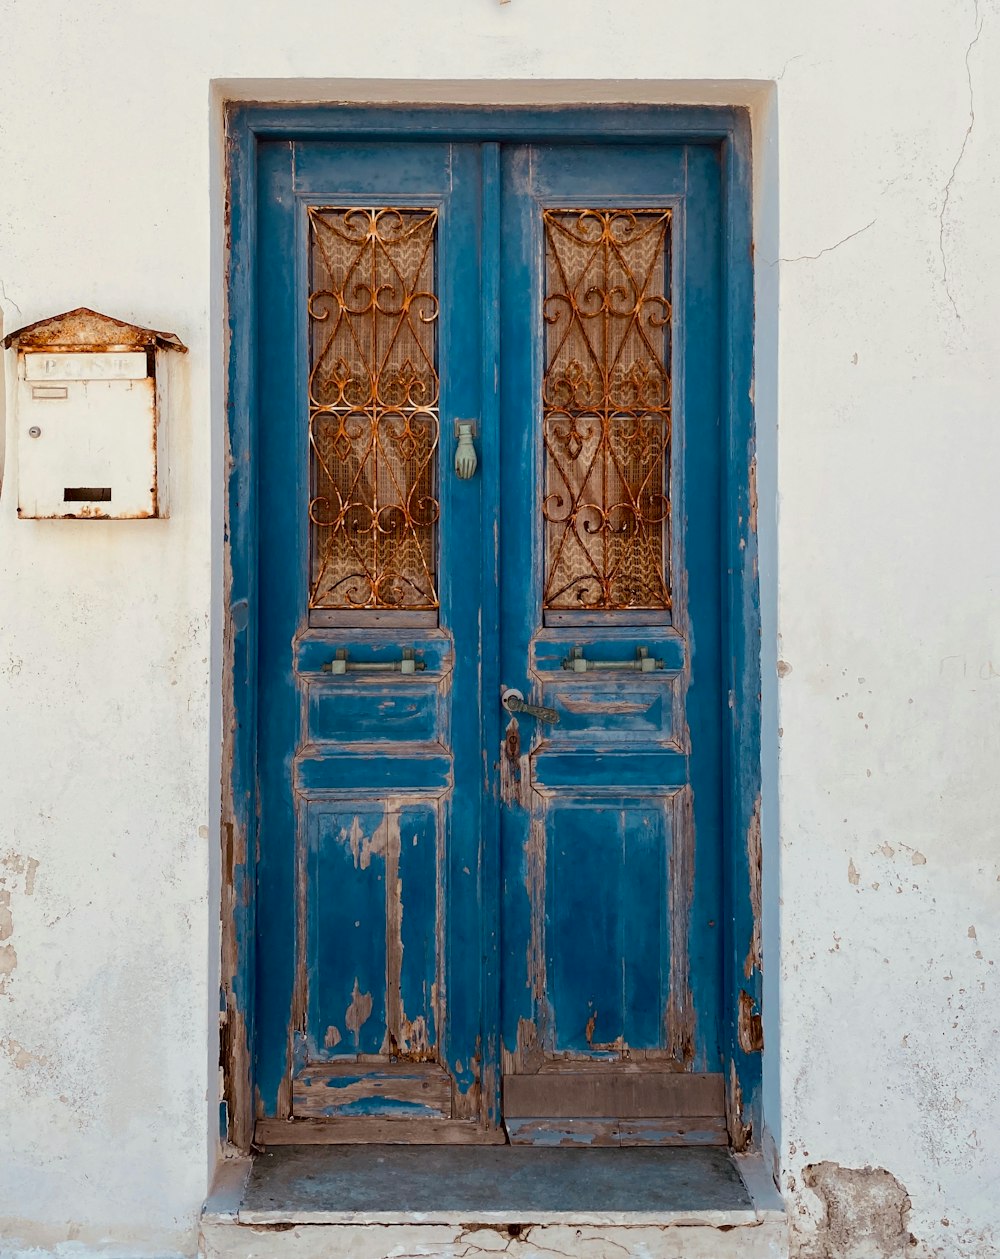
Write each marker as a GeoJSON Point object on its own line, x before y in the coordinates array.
{"type": "Point", "coordinates": [369, 977]}
{"type": "Point", "coordinates": [610, 589]}
{"type": "Point", "coordinates": [489, 709]}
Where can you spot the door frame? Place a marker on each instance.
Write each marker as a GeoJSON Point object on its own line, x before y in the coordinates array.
{"type": "Point", "coordinates": [723, 126]}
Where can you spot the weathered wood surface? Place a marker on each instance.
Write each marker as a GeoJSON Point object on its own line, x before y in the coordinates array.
{"type": "Point", "coordinates": [375, 1131]}
{"type": "Point", "coordinates": [384, 819]}
{"type": "Point", "coordinates": [614, 1094]}
{"type": "Point", "coordinates": [668, 1130]}
{"type": "Point", "coordinates": [327, 1090]}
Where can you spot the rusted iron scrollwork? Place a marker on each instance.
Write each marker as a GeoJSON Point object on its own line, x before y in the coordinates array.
{"type": "Point", "coordinates": [374, 424]}
{"type": "Point", "coordinates": [606, 408]}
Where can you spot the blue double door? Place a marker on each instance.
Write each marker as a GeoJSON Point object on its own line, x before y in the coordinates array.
{"type": "Point", "coordinates": [489, 706]}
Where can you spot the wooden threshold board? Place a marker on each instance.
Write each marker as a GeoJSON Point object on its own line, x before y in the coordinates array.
{"type": "Point", "coordinates": [621, 1133]}
{"type": "Point", "coordinates": [374, 1131]}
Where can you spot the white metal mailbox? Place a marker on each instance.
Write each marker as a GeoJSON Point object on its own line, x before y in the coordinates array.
{"type": "Point", "coordinates": [90, 407]}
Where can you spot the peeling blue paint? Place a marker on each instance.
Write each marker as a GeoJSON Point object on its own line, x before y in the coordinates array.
{"type": "Point", "coordinates": [704, 165]}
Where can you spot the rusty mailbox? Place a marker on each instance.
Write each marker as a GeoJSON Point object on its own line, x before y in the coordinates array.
{"type": "Point", "coordinates": [91, 400]}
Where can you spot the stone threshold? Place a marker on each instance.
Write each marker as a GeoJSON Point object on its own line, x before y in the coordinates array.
{"type": "Point", "coordinates": [513, 1188]}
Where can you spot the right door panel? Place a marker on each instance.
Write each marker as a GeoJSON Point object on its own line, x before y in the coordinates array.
{"type": "Point", "coordinates": [610, 615]}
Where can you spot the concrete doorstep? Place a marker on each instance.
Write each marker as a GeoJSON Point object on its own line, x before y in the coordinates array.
{"type": "Point", "coordinates": [440, 1202]}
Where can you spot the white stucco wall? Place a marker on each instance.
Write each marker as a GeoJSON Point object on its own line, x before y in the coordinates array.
{"type": "Point", "coordinates": [877, 165]}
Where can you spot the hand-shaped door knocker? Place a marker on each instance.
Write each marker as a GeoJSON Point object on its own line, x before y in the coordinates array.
{"type": "Point", "coordinates": [465, 451]}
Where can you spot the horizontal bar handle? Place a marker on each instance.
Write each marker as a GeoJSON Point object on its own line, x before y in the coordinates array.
{"type": "Point", "coordinates": [643, 662]}
{"type": "Point", "coordinates": [408, 664]}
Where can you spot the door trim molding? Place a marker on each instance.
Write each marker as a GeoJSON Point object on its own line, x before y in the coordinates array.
{"type": "Point", "coordinates": [727, 127]}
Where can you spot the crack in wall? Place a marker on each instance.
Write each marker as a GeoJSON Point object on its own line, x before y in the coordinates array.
{"type": "Point", "coordinates": [946, 197]}
{"type": "Point", "coordinates": [8, 299]}
{"type": "Point", "coordinates": [829, 248]}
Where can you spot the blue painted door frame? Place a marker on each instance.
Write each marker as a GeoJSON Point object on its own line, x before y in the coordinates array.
{"type": "Point", "coordinates": [716, 146]}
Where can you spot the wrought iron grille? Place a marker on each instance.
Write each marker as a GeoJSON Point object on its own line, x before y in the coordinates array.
{"type": "Point", "coordinates": [606, 409]}
{"type": "Point", "coordinates": [373, 408]}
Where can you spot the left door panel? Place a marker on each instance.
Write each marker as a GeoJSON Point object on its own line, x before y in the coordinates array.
{"type": "Point", "coordinates": [368, 352]}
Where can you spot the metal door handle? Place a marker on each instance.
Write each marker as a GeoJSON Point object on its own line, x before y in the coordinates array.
{"type": "Point", "coordinates": [643, 662]}
{"type": "Point", "coordinates": [514, 702]}
{"type": "Point", "coordinates": [340, 664]}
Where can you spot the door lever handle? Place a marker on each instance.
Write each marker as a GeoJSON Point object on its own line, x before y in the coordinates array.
{"type": "Point", "coordinates": [514, 702]}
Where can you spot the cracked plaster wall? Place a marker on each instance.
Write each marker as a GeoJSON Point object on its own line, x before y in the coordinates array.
{"type": "Point", "coordinates": [877, 405]}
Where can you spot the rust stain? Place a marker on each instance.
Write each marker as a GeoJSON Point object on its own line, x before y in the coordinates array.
{"type": "Point", "coordinates": [591, 1025]}
{"type": "Point", "coordinates": [749, 1028]}
{"type": "Point", "coordinates": [739, 1132]}
{"type": "Point", "coordinates": [358, 1012]}
{"type": "Point", "coordinates": [84, 329]}
{"type": "Point", "coordinates": [680, 1005]}
{"type": "Point", "coordinates": [753, 958]}
{"type": "Point", "coordinates": [515, 776]}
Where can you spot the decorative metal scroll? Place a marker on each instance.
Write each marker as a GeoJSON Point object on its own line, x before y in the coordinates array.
{"type": "Point", "coordinates": [373, 408]}
{"type": "Point", "coordinates": [606, 409]}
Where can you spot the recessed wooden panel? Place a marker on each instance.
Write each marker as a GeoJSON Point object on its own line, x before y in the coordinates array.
{"type": "Point", "coordinates": [654, 771]}
{"type": "Point", "coordinates": [323, 767]}
{"type": "Point", "coordinates": [612, 710]}
{"type": "Point", "coordinates": [349, 713]}
{"type": "Point", "coordinates": [340, 1090]}
{"type": "Point", "coordinates": [613, 1093]}
{"type": "Point", "coordinates": [373, 901]}
{"type": "Point", "coordinates": [607, 943]}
